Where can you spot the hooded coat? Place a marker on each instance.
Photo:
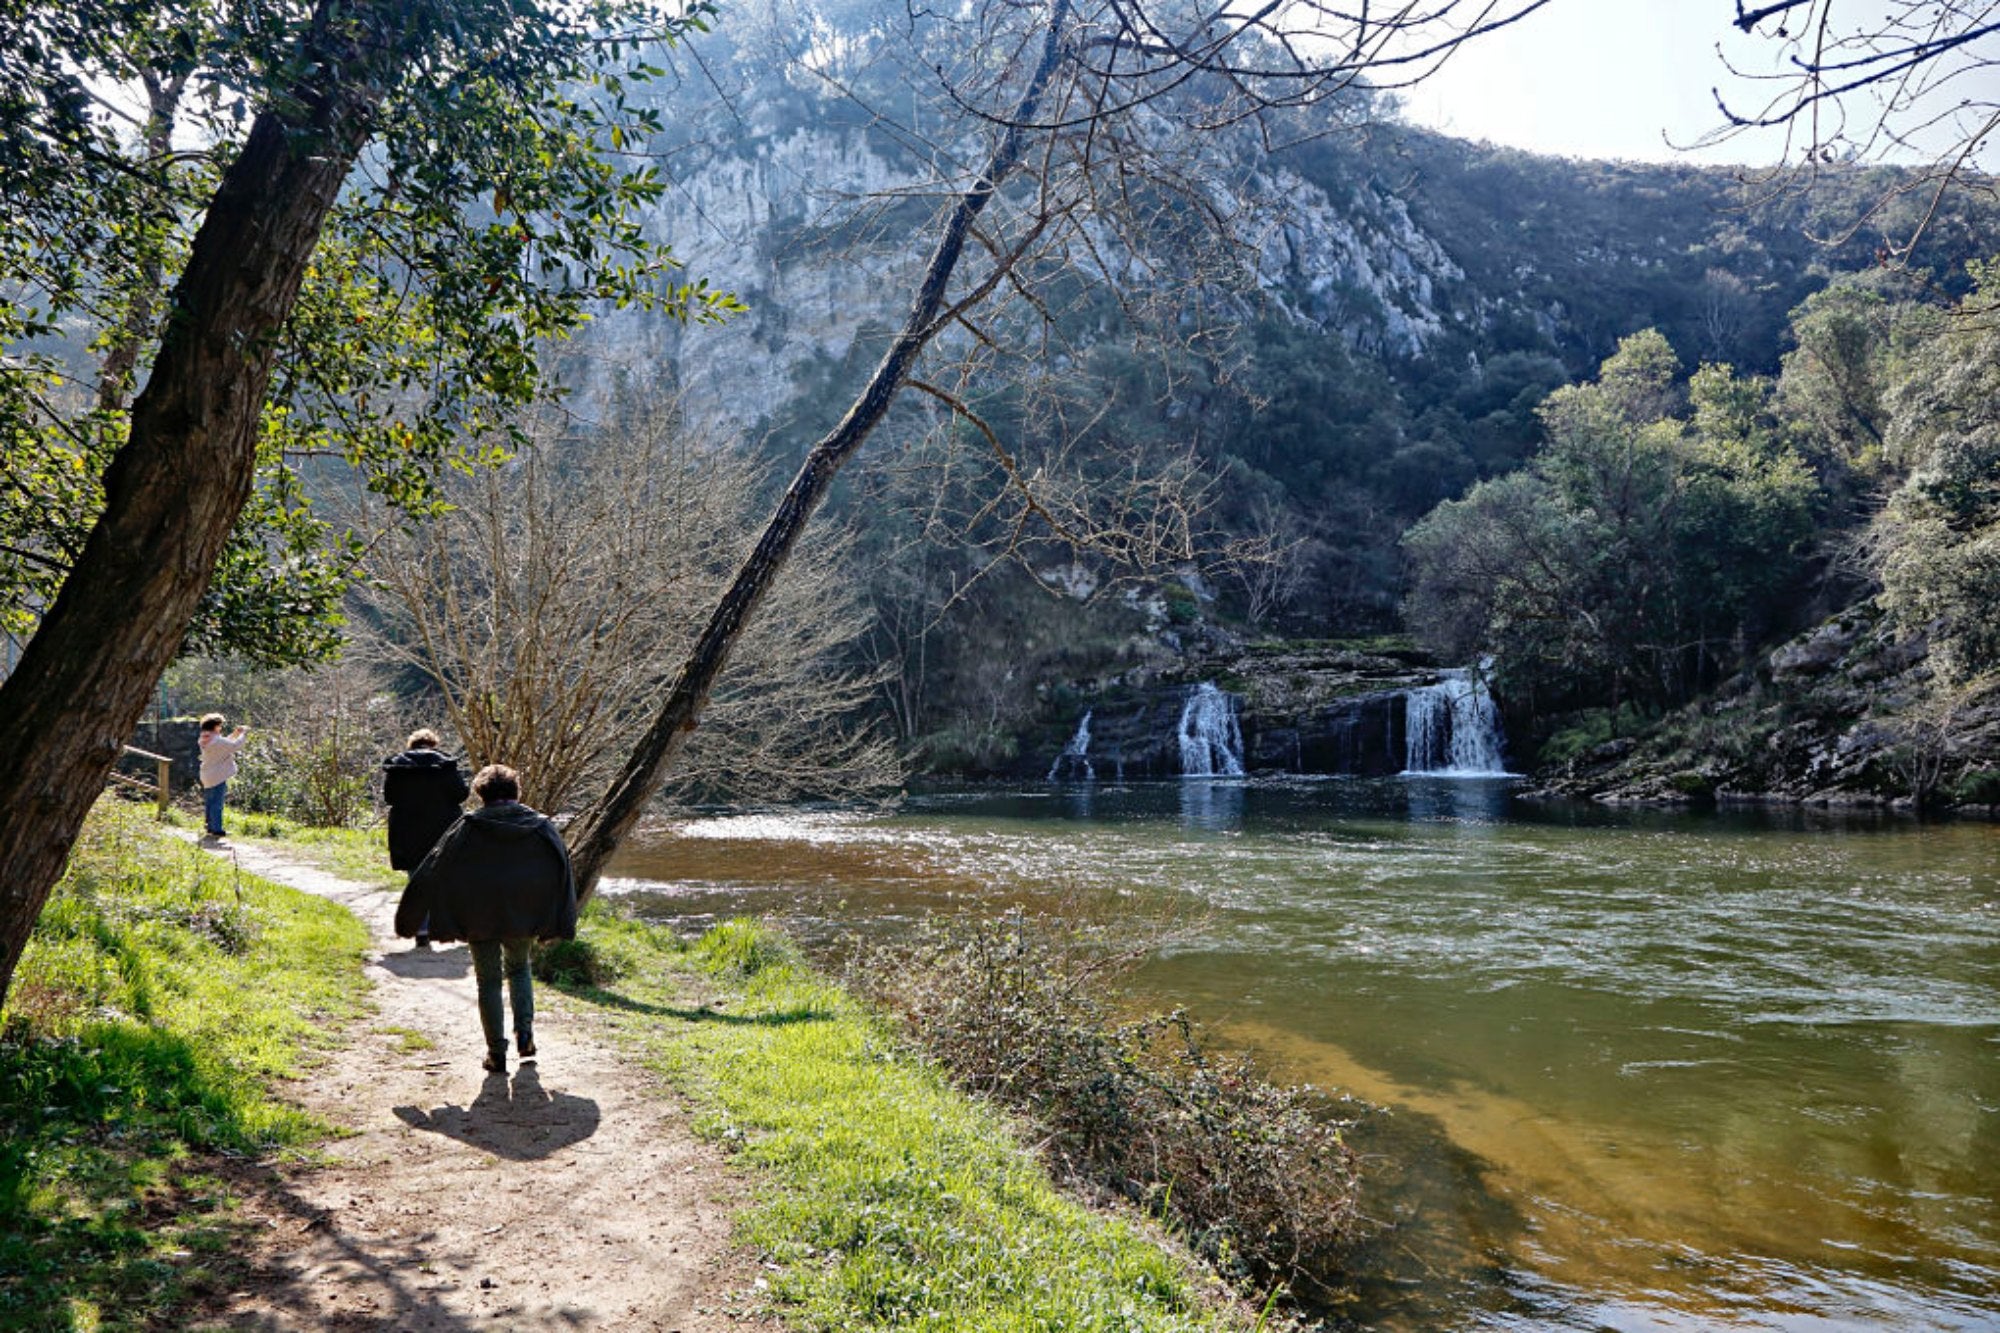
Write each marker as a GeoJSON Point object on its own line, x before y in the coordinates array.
{"type": "Point", "coordinates": [424, 792]}
{"type": "Point", "coordinates": [501, 872]}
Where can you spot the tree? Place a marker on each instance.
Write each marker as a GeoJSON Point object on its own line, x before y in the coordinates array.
{"type": "Point", "coordinates": [1863, 83]}
{"type": "Point", "coordinates": [554, 599]}
{"type": "Point", "coordinates": [1076, 120]}
{"type": "Point", "coordinates": [1637, 555]}
{"type": "Point", "coordinates": [462, 101]}
{"type": "Point", "coordinates": [1936, 544]}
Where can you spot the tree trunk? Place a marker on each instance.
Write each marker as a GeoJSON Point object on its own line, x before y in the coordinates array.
{"type": "Point", "coordinates": [595, 834]}
{"type": "Point", "coordinates": [175, 489]}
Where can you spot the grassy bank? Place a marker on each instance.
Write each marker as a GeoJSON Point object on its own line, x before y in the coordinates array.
{"type": "Point", "coordinates": [888, 1199]}
{"type": "Point", "coordinates": [359, 854]}
{"type": "Point", "coordinates": [163, 990]}
{"type": "Point", "coordinates": [160, 993]}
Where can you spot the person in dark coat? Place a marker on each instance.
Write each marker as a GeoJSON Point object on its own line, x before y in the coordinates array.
{"type": "Point", "coordinates": [499, 879]}
{"type": "Point", "coordinates": [425, 793]}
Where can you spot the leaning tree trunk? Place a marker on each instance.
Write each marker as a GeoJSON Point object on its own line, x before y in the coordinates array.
{"type": "Point", "coordinates": [175, 488]}
{"type": "Point", "coordinates": [595, 834]}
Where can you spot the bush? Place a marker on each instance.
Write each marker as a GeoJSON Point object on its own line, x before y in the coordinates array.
{"type": "Point", "coordinates": [1585, 734]}
{"type": "Point", "coordinates": [1257, 1177]}
{"type": "Point", "coordinates": [575, 963]}
{"type": "Point", "coordinates": [1977, 786]}
{"type": "Point", "coordinates": [1588, 730]}
{"type": "Point", "coordinates": [966, 748]}
{"type": "Point", "coordinates": [317, 738]}
{"type": "Point", "coordinates": [1698, 786]}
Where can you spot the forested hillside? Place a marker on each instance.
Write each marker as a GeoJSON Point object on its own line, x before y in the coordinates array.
{"type": "Point", "coordinates": [1624, 428]}
{"type": "Point", "coordinates": [1384, 335]}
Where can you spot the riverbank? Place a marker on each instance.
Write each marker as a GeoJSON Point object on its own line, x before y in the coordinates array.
{"type": "Point", "coordinates": [1643, 1068]}
{"type": "Point", "coordinates": [712, 1137]}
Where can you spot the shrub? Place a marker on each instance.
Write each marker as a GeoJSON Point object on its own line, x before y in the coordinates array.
{"type": "Point", "coordinates": [1977, 786]}
{"type": "Point", "coordinates": [575, 963]}
{"type": "Point", "coordinates": [1257, 1177]}
{"type": "Point", "coordinates": [1585, 734]}
{"type": "Point", "coordinates": [1699, 786]}
{"type": "Point", "coordinates": [967, 748]}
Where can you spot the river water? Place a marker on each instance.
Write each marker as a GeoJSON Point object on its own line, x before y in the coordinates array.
{"type": "Point", "coordinates": [1641, 1071]}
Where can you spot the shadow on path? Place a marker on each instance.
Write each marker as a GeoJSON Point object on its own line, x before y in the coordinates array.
{"type": "Point", "coordinates": [520, 1120]}
{"type": "Point", "coordinates": [394, 1289]}
{"type": "Point", "coordinates": [699, 1014]}
{"type": "Point", "coordinates": [450, 962]}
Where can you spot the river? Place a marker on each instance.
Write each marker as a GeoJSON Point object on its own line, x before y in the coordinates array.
{"type": "Point", "coordinates": [1641, 1071]}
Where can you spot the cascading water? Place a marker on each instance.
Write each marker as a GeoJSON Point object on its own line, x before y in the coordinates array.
{"type": "Point", "coordinates": [1211, 741]}
{"type": "Point", "coordinates": [1453, 730]}
{"type": "Point", "coordinates": [1073, 764]}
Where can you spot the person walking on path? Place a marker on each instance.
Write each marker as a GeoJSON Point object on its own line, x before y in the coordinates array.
{"type": "Point", "coordinates": [218, 765]}
{"type": "Point", "coordinates": [499, 879]}
{"type": "Point", "coordinates": [425, 793]}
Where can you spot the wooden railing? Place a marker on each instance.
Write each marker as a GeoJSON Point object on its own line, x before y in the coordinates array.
{"type": "Point", "coordinates": [161, 789]}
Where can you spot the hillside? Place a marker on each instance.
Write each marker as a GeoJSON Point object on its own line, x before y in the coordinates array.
{"type": "Point", "coordinates": [1377, 336]}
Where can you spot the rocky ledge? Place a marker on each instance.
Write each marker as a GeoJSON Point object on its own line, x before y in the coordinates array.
{"type": "Point", "coordinates": [1302, 707]}
{"type": "Point", "coordinates": [1846, 715]}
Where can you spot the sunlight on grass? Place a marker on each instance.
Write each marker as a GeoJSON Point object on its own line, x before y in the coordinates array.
{"type": "Point", "coordinates": [359, 854]}
{"type": "Point", "coordinates": [159, 994]}
{"type": "Point", "coordinates": [892, 1201]}
{"type": "Point", "coordinates": [408, 1041]}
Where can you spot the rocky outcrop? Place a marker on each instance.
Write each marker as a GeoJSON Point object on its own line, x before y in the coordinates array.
{"type": "Point", "coordinates": [1311, 708]}
{"type": "Point", "coordinates": [1302, 707]}
{"type": "Point", "coordinates": [1846, 714]}
{"type": "Point", "coordinates": [820, 222]}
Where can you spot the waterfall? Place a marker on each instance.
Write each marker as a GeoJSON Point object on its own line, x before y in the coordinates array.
{"type": "Point", "coordinates": [1453, 730]}
{"type": "Point", "coordinates": [1073, 763]}
{"type": "Point", "coordinates": [1211, 742]}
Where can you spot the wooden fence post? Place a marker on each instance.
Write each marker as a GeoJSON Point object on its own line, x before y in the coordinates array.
{"type": "Point", "coordinates": [163, 788]}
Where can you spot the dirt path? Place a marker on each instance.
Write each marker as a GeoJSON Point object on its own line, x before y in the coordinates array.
{"type": "Point", "coordinates": [566, 1194]}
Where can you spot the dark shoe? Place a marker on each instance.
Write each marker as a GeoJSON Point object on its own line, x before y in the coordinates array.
{"type": "Point", "coordinates": [496, 1064]}
{"type": "Point", "coordinates": [423, 942]}
{"type": "Point", "coordinates": [527, 1050]}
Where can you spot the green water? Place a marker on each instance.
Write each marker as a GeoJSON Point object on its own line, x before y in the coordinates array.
{"type": "Point", "coordinates": [1646, 1072]}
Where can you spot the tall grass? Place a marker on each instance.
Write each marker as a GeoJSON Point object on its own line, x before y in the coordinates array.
{"type": "Point", "coordinates": [1028, 1010]}
{"type": "Point", "coordinates": [159, 994]}
{"type": "Point", "coordinates": [892, 1201]}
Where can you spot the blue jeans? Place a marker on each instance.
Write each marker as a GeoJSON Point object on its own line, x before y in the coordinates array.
{"type": "Point", "coordinates": [491, 961]}
{"type": "Point", "coordinates": [211, 803]}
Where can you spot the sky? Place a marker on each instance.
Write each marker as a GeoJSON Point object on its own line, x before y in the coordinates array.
{"type": "Point", "coordinates": [1596, 78]}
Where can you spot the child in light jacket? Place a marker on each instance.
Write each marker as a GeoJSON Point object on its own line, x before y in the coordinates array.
{"type": "Point", "coordinates": [218, 765]}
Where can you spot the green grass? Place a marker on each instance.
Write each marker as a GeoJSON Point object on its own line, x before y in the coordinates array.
{"type": "Point", "coordinates": [359, 854]}
{"type": "Point", "coordinates": [888, 1200]}
{"type": "Point", "coordinates": [159, 995]}
{"type": "Point", "coordinates": [408, 1041]}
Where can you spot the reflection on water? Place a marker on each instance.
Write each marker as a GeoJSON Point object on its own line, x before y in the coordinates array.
{"type": "Point", "coordinates": [1214, 805]}
{"type": "Point", "coordinates": [1643, 1072]}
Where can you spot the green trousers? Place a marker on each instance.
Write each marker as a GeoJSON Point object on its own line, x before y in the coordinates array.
{"type": "Point", "coordinates": [493, 960]}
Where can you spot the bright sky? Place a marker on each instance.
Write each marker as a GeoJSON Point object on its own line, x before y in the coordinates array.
{"type": "Point", "coordinates": [1597, 78]}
